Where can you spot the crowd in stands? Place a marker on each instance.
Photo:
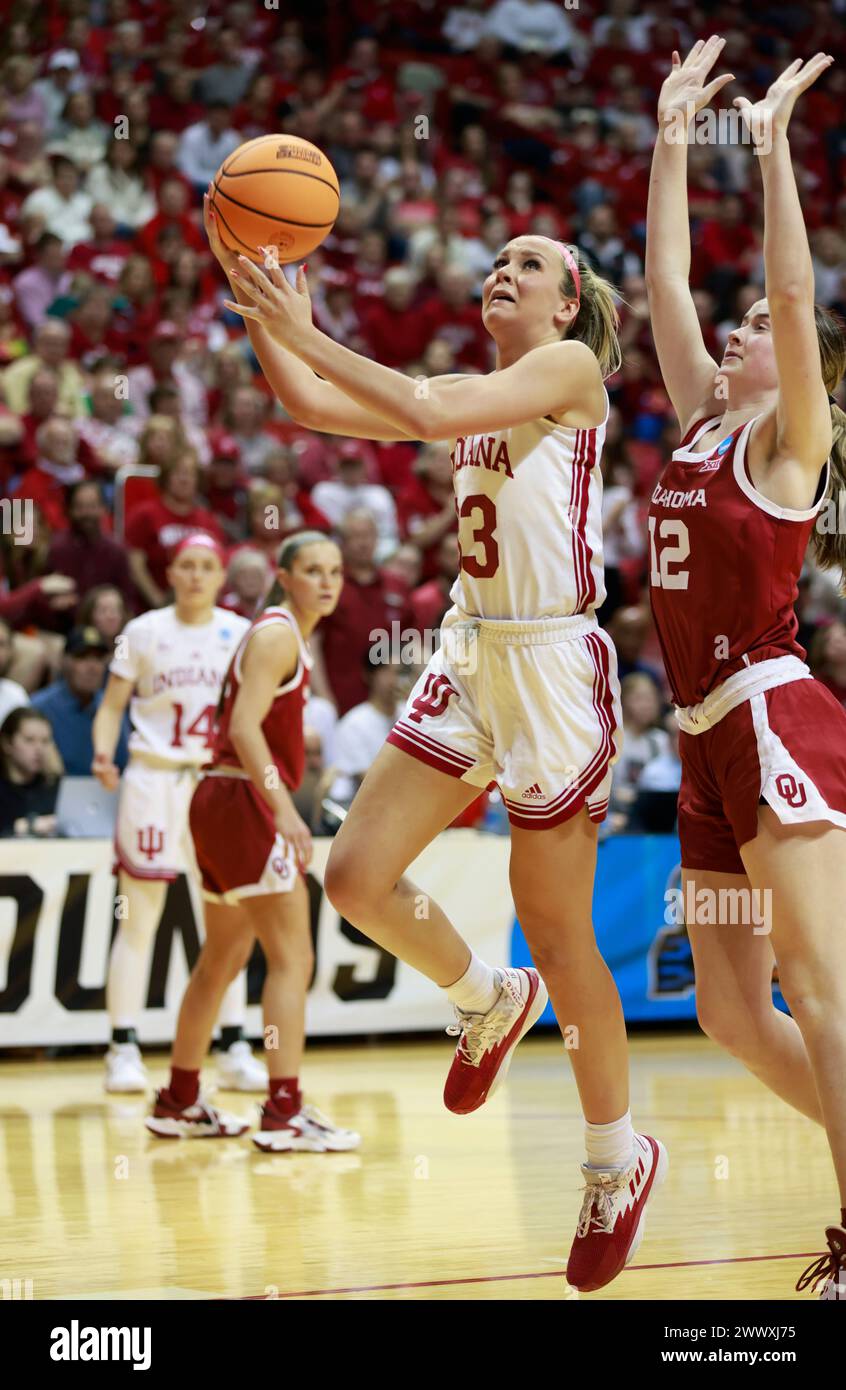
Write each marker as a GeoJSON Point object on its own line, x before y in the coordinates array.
{"type": "Point", "coordinates": [132, 410]}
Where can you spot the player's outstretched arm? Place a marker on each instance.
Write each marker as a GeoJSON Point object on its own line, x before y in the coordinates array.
{"type": "Point", "coordinates": [803, 413]}
{"type": "Point", "coordinates": [548, 380]}
{"type": "Point", "coordinates": [316, 404]}
{"type": "Point", "coordinates": [688, 371]}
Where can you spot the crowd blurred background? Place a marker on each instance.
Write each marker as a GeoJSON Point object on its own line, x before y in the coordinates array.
{"type": "Point", "coordinates": [132, 410]}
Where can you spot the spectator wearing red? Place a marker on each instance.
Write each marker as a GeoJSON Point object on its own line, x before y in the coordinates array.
{"type": "Point", "coordinates": [349, 491]}
{"type": "Point", "coordinates": [258, 111]}
{"type": "Point", "coordinates": [244, 419]}
{"type": "Point", "coordinates": [429, 602]}
{"type": "Point", "coordinates": [41, 404]}
{"type": "Point", "coordinates": [174, 202]}
{"type": "Point", "coordinates": [367, 83]}
{"type": "Point", "coordinates": [395, 335]}
{"type": "Point", "coordinates": [300, 510]}
{"type": "Point", "coordinates": [10, 197]}
{"type": "Point", "coordinates": [102, 255]}
{"type": "Point", "coordinates": [368, 603]}
{"type": "Point", "coordinates": [724, 241]}
{"type": "Point", "coordinates": [84, 552]}
{"type": "Point", "coordinates": [155, 527]}
{"type": "Point", "coordinates": [225, 487]}
{"type": "Point", "coordinates": [56, 467]}
{"type": "Point", "coordinates": [175, 109]}
{"type": "Point", "coordinates": [161, 164]}
{"type": "Point", "coordinates": [426, 507]}
{"type": "Point", "coordinates": [32, 598]}
{"type": "Point", "coordinates": [136, 308]}
{"type": "Point", "coordinates": [454, 315]}
{"type": "Point", "coordinates": [92, 338]}
{"type": "Point", "coordinates": [334, 308]}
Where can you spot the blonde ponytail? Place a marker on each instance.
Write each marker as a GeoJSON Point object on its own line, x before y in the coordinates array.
{"type": "Point", "coordinates": [597, 324]}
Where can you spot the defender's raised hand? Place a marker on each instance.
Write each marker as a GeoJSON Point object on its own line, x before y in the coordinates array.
{"type": "Point", "coordinates": [770, 116]}
{"type": "Point", "coordinates": [685, 91]}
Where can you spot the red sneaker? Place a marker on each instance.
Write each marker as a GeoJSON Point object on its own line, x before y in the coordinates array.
{"type": "Point", "coordinates": [831, 1267]}
{"type": "Point", "coordinates": [613, 1213]}
{"type": "Point", "coordinates": [197, 1121]}
{"type": "Point", "coordinates": [306, 1130]}
{"type": "Point", "coordinates": [487, 1044]}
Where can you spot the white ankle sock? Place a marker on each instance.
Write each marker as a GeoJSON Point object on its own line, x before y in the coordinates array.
{"type": "Point", "coordinates": [477, 990]}
{"type": "Point", "coordinates": [610, 1146]}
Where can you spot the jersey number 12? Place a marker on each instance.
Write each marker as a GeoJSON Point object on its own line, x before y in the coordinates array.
{"type": "Point", "coordinates": [660, 575]}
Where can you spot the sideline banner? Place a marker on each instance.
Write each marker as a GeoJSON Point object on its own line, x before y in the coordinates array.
{"type": "Point", "coordinates": [57, 919]}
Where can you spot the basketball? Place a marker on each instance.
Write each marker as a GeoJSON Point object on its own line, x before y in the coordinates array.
{"type": "Point", "coordinates": [276, 190]}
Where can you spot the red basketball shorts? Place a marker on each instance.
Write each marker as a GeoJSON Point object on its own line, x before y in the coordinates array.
{"type": "Point", "coordinates": [240, 853]}
{"type": "Point", "coordinates": [786, 746]}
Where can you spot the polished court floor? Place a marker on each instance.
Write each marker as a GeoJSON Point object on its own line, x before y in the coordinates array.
{"type": "Point", "coordinates": [433, 1206]}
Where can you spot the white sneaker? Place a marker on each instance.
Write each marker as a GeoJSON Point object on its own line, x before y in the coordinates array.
{"type": "Point", "coordinates": [308, 1130]}
{"type": "Point", "coordinates": [124, 1069]}
{"type": "Point", "coordinates": [238, 1070]}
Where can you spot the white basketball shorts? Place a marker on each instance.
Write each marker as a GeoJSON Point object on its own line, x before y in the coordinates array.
{"type": "Point", "coordinates": [152, 836]}
{"type": "Point", "coordinates": [533, 706]}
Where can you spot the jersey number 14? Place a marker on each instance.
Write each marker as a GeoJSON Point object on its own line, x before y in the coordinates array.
{"type": "Point", "coordinates": [202, 727]}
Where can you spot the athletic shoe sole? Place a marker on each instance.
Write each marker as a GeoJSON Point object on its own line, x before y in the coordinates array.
{"type": "Point", "coordinates": [271, 1141]}
{"type": "Point", "coordinates": [184, 1129]}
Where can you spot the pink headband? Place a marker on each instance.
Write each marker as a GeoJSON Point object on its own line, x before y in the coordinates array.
{"type": "Point", "coordinates": [199, 538]}
{"type": "Point", "coordinates": [570, 262]}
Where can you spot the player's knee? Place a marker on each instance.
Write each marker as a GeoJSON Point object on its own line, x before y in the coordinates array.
{"type": "Point", "coordinates": [728, 1022]}
{"type": "Point", "coordinates": [563, 959]}
{"type": "Point", "coordinates": [350, 887]}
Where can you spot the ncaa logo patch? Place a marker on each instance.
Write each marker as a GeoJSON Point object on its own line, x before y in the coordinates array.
{"type": "Point", "coordinates": [725, 443]}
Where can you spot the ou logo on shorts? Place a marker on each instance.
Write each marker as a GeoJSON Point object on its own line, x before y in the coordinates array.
{"type": "Point", "coordinates": [280, 866]}
{"type": "Point", "coordinates": [792, 791]}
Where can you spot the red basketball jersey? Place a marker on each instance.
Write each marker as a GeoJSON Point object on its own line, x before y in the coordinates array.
{"type": "Point", "coordinates": [283, 724]}
{"type": "Point", "coordinates": [724, 565]}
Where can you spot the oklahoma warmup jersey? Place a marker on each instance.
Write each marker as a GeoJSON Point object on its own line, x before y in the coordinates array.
{"type": "Point", "coordinates": [724, 564]}
{"type": "Point", "coordinates": [529, 502]}
{"type": "Point", "coordinates": [283, 723]}
{"type": "Point", "coordinates": [177, 670]}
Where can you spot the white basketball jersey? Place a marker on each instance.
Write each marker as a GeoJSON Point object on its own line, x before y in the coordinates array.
{"type": "Point", "coordinates": [529, 503]}
{"type": "Point", "coordinates": [177, 670]}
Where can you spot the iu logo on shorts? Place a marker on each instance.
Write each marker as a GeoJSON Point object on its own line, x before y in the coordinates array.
{"type": "Point", "coordinates": [792, 791]}
{"type": "Point", "coordinates": [434, 699]}
{"type": "Point", "coordinates": [150, 841]}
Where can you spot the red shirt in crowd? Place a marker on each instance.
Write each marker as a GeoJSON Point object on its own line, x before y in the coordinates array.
{"type": "Point", "coordinates": [414, 504]}
{"type": "Point", "coordinates": [345, 634]}
{"type": "Point", "coordinates": [156, 529]}
{"type": "Point", "coordinates": [104, 263]}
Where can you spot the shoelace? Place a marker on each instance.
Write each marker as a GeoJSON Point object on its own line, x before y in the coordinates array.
{"type": "Point", "coordinates": [827, 1266]}
{"type": "Point", "coordinates": [478, 1033]}
{"type": "Point", "coordinates": [598, 1206]}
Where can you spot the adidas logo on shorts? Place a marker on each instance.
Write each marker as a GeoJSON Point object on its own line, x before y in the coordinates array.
{"type": "Point", "coordinates": [533, 793]}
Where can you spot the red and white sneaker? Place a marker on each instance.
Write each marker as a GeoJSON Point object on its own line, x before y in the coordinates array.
{"type": "Point", "coordinates": [831, 1266]}
{"type": "Point", "coordinates": [306, 1131]}
{"type": "Point", "coordinates": [488, 1040]}
{"type": "Point", "coordinates": [197, 1121]}
{"type": "Point", "coordinates": [613, 1213]}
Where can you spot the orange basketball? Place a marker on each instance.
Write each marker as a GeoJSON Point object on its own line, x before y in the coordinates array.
{"type": "Point", "coordinates": [276, 190]}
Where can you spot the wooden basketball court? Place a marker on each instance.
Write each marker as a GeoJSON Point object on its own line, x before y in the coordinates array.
{"type": "Point", "coordinates": [433, 1206]}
